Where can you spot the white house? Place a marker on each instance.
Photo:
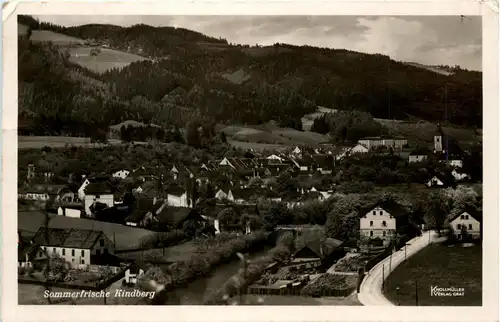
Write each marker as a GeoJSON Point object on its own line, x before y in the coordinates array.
{"type": "Point", "coordinates": [226, 162]}
{"type": "Point", "coordinates": [435, 182]}
{"type": "Point", "coordinates": [297, 150]}
{"type": "Point", "coordinates": [358, 148]}
{"type": "Point", "coordinates": [74, 211]}
{"type": "Point", "coordinates": [97, 192]}
{"type": "Point", "coordinates": [78, 247]}
{"type": "Point", "coordinates": [275, 157]}
{"type": "Point", "coordinates": [122, 174]}
{"type": "Point", "coordinates": [456, 163]}
{"type": "Point", "coordinates": [374, 142]}
{"type": "Point", "coordinates": [459, 176]}
{"type": "Point", "coordinates": [416, 158]}
{"type": "Point", "coordinates": [177, 197]}
{"type": "Point", "coordinates": [466, 223]}
{"type": "Point", "coordinates": [377, 222]}
{"type": "Point", "coordinates": [132, 273]}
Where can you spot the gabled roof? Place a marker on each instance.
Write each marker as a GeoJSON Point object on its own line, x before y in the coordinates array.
{"type": "Point", "coordinates": [98, 188]}
{"type": "Point", "coordinates": [29, 250]}
{"type": "Point", "coordinates": [322, 248]}
{"type": "Point", "coordinates": [392, 207]}
{"type": "Point", "coordinates": [174, 216]}
{"type": "Point", "coordinates": [141, 207]}
{"type": "Point", "coordinates": [175, 190]}
{"type": "Point", "coordinates": [472, 211]}
{"type": "Point", "coordinates": [63, 237]}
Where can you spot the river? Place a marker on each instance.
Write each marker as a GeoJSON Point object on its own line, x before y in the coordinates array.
{"type": "Point", "coordinates": [195, 292]}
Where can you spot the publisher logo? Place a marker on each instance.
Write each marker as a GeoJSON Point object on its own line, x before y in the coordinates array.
{"type": "Point", "coordinates": [447, 291]}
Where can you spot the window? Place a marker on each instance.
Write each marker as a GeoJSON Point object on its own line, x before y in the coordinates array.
{"type": "Point", "coordinates": [101, 242]}
{"type": "Point", "coordinates": [72, 252]}
{"type": "Point", "coordinates": [371, 223]}
{"type": "Point", "coordinates": [371, 232]}
{"type": "Point", "coordinates": [73, 260]}
{"type": "Point", "coordinates": [384, 223]}
{"type": "Point", "coordinates": [437, 139]}
{"type": "Point", "coordinates": [458, 226]}
{"type": "Point", "coordinates": [462, 217]}
{"type": "Point", "coordinates": [83, 253]}
{"type": "Point", "coordinates": [381, 212]}
{"type": "Point", "coordinates": [83, 261]}
{"type": "Point", "coordinates": [470, 226]}
{"type": "Point", "coordinates": [466, 216]}
{"type": "Point", "coordinates": [64, 251]}
{"type": "Point", "coordinates": [374, 213]}
{"type": "Point", "coordinates": [54, 250]}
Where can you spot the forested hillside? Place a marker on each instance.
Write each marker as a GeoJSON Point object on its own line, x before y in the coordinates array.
{"type": "Point", "coordinates": [191, 76]}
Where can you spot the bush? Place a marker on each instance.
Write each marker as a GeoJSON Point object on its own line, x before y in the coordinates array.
{"type": "Point", "coordinates": [161, 239]}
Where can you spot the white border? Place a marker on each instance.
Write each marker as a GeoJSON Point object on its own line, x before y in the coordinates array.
{"type": "Point", "coordinates": [488, 312]}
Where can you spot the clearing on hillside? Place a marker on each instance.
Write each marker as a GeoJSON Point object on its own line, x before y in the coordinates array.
{"type": "Point", "coordinates": [55, 38]}
{"type": "Point", "coordinates": [38, 142]}
{"type": "Point", "coordinates": [103, 61]}
{"type": "Point", "coordinates": [238, 77]}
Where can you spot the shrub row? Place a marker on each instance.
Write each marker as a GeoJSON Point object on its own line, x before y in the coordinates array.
{"type": "Point", "coordinates": [281, 252]}
{"type": "Point", "coordinates": [181, 273]}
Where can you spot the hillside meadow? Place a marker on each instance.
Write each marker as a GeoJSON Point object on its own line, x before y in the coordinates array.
{"type": "Point", "coordinates": [106, 60]}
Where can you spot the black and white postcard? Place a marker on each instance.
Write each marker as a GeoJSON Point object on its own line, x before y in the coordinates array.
{"type": "Point", "coordinates": [271, 160]}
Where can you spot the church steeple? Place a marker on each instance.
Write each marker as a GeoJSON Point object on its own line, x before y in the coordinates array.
{"type": "Point", "coordinates": [438, 139]}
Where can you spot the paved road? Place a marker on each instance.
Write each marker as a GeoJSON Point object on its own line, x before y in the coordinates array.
{"type": "Point", "coordinates": [371, 288]}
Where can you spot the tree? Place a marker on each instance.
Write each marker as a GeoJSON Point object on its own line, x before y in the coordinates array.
{"type": "Point", "coordinates": [438, 211]}
{"type": "Point", "coordinates": [228, 218]}
{"type": "Point", "coordinates": [193, 135]}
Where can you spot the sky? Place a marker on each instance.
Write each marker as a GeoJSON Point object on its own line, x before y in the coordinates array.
{"type": "Point", "coordinates": [429, 40]}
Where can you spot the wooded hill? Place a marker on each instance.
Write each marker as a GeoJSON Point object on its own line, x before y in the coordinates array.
{"type": "Point", "coordinates": [191, 76]}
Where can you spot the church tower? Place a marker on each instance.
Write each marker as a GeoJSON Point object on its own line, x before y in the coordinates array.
{"type": "Point", "coordinates": [438, 140]}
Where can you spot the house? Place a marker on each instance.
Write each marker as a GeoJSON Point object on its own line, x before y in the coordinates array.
{"type": "Point", "coordinates": [343, 152]}
{"type": "Point", "coordinates": [78, 247]}
{"type": "Point", "coordinates": [176, 217]}
{"type": "Point", "coordinates": [440, 181]}
{"type": "Point", "coordinates": [466, 225]}
{"type": "Point", "coordinates": [312, 196]}
{"type": "Point", "coordinates": [275, 157]}
{"type": "Point", "coordinates": [99, 192]}
{"type": "Point", "coordinates": [134, 271]}
{"type": "Point", "coordinates": [418, 155]}
{"type": "Point", "coordinates": [221, 194]}
{"type": "Point", "coordinates": [74, 210]}
{"type": "Point", "coordinates": [45, 192]}
{"type": "Point", "coordinates": [383, 220]}
{"type": "Point", "coordinates": [318, 253]}
{"type": "Point", "coordinates": [122, 174]}
{"type": "Point", "coordinates": [143, 211]}
{"type": "Point", "coordinates": [177, 196]}
{"type": "Point", "coordinates": [29, 255]}
{"type": "Point", "coordinates": [458, 175]}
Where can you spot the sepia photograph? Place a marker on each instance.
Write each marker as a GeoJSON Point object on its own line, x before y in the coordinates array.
{"type": "Point", "coordinates": [295, 161]}
{"type": "Point", "coordinates": [250, 160]}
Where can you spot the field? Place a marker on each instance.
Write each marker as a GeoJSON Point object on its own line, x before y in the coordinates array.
{"type": "Point", "coordinates": [125, 237]}
{"type": "Point", "coordinates": [105, 60]}
{"type": "Point", "coordinates": [442, 266]}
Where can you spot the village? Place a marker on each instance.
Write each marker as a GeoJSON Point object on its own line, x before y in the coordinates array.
{"type": "Point", "coordinates": [215, 202]}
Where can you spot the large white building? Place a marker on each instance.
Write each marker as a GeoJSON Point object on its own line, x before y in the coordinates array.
{"type": "Point", "coordinates": [100, 192]}
{"type": "Point", "coordinates": [467, 224]}
{"type": "Point", "coordinates": [377, 222]}
{"type": "Point", "coordinates": [374, 142]}
{"type": "Point", "coordinates": [78, 247]}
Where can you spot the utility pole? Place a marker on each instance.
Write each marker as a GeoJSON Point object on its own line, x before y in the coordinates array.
{"type": "Point", "coordinates": [405, 250]}
{"type": "Point", "coordinates": [416, 292]}
{"type": "Point", "coordinates": [383, 278]}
